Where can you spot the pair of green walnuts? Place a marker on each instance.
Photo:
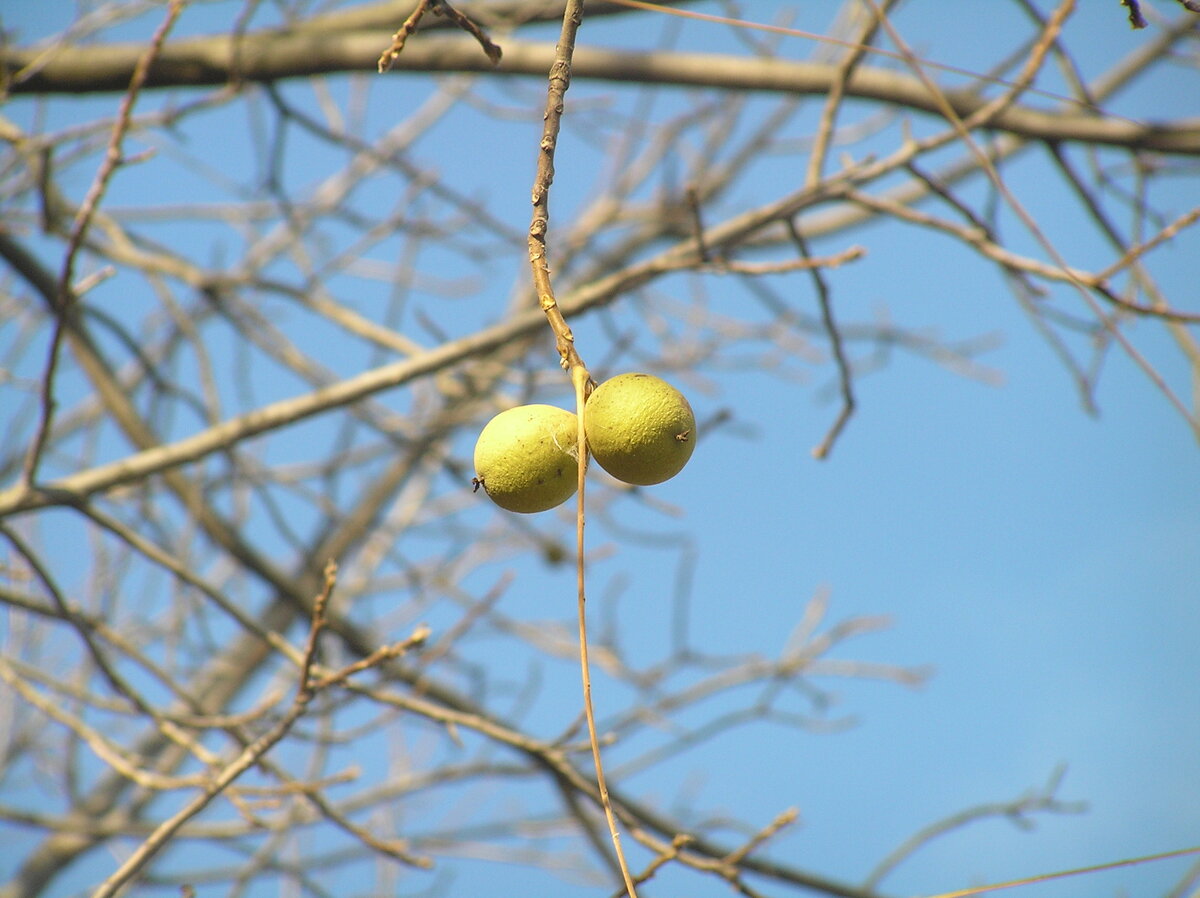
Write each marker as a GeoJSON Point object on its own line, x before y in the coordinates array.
{"type": "Point", "coordinates": [639, 428]}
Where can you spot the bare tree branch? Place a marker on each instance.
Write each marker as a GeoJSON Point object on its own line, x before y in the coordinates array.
{"type": "Point", "coordinates": [289, 319]}
{"type": "Point", "coordinates": [209, 61]}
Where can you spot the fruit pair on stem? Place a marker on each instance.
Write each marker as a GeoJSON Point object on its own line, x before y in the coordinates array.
{"type": "Point", "coordinates": [639, 429]}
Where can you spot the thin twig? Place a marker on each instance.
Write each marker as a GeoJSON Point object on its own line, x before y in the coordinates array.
{"type": "Point", "coordinates": [1136, 252]}
{"type": "Point", "coordinates": [661, 859]}
{"type": "Point", "coordinates": [1063, 874]}
{"type": "Point", "coordinates": [1043, 800]}
{"type": "Point", "coordinates": [845, 375]}
{"type": "Point", "coordinates": [66, 293]}
{"type": "Point", "coordinates": [1136, 19]}
{"type": "Point", "coordinates": [786, 818]}
{"type": "Point", "coordinates": [692, 195]}
{"type": "Point", "coordinates": [833, 100]}
{"type": "Point", "coordinates": [493, 51]}
{"type": "Point", "coordinates": [387, 59]}
{"type": "Point", "coordinates": [787, 266]}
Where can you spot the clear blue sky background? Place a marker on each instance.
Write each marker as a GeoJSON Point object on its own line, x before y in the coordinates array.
{"type": "Point", "coordinates": [1044, 563]}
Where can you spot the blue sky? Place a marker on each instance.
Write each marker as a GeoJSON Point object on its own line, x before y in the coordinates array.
{"type": "Point", "coordinates": [1043, 563]}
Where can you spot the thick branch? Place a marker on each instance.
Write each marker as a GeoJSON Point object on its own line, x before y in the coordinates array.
{"type": "Point", "coordinates": [272, 56]}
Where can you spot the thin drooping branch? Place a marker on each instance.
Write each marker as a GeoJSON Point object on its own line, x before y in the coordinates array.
{"type": "Point", "coordinates": [569, 358]}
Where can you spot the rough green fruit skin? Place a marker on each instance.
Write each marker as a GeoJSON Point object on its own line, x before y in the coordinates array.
{"type": "Point", "coordinates": [639, 428]}
{"type": "Point", "coordinates": [525, 458]}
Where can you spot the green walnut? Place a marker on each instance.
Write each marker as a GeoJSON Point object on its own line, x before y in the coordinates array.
{"type": "Point", "coordinates": [525, 458]}
{"type": "Point", "coordinates": [639, 428]}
